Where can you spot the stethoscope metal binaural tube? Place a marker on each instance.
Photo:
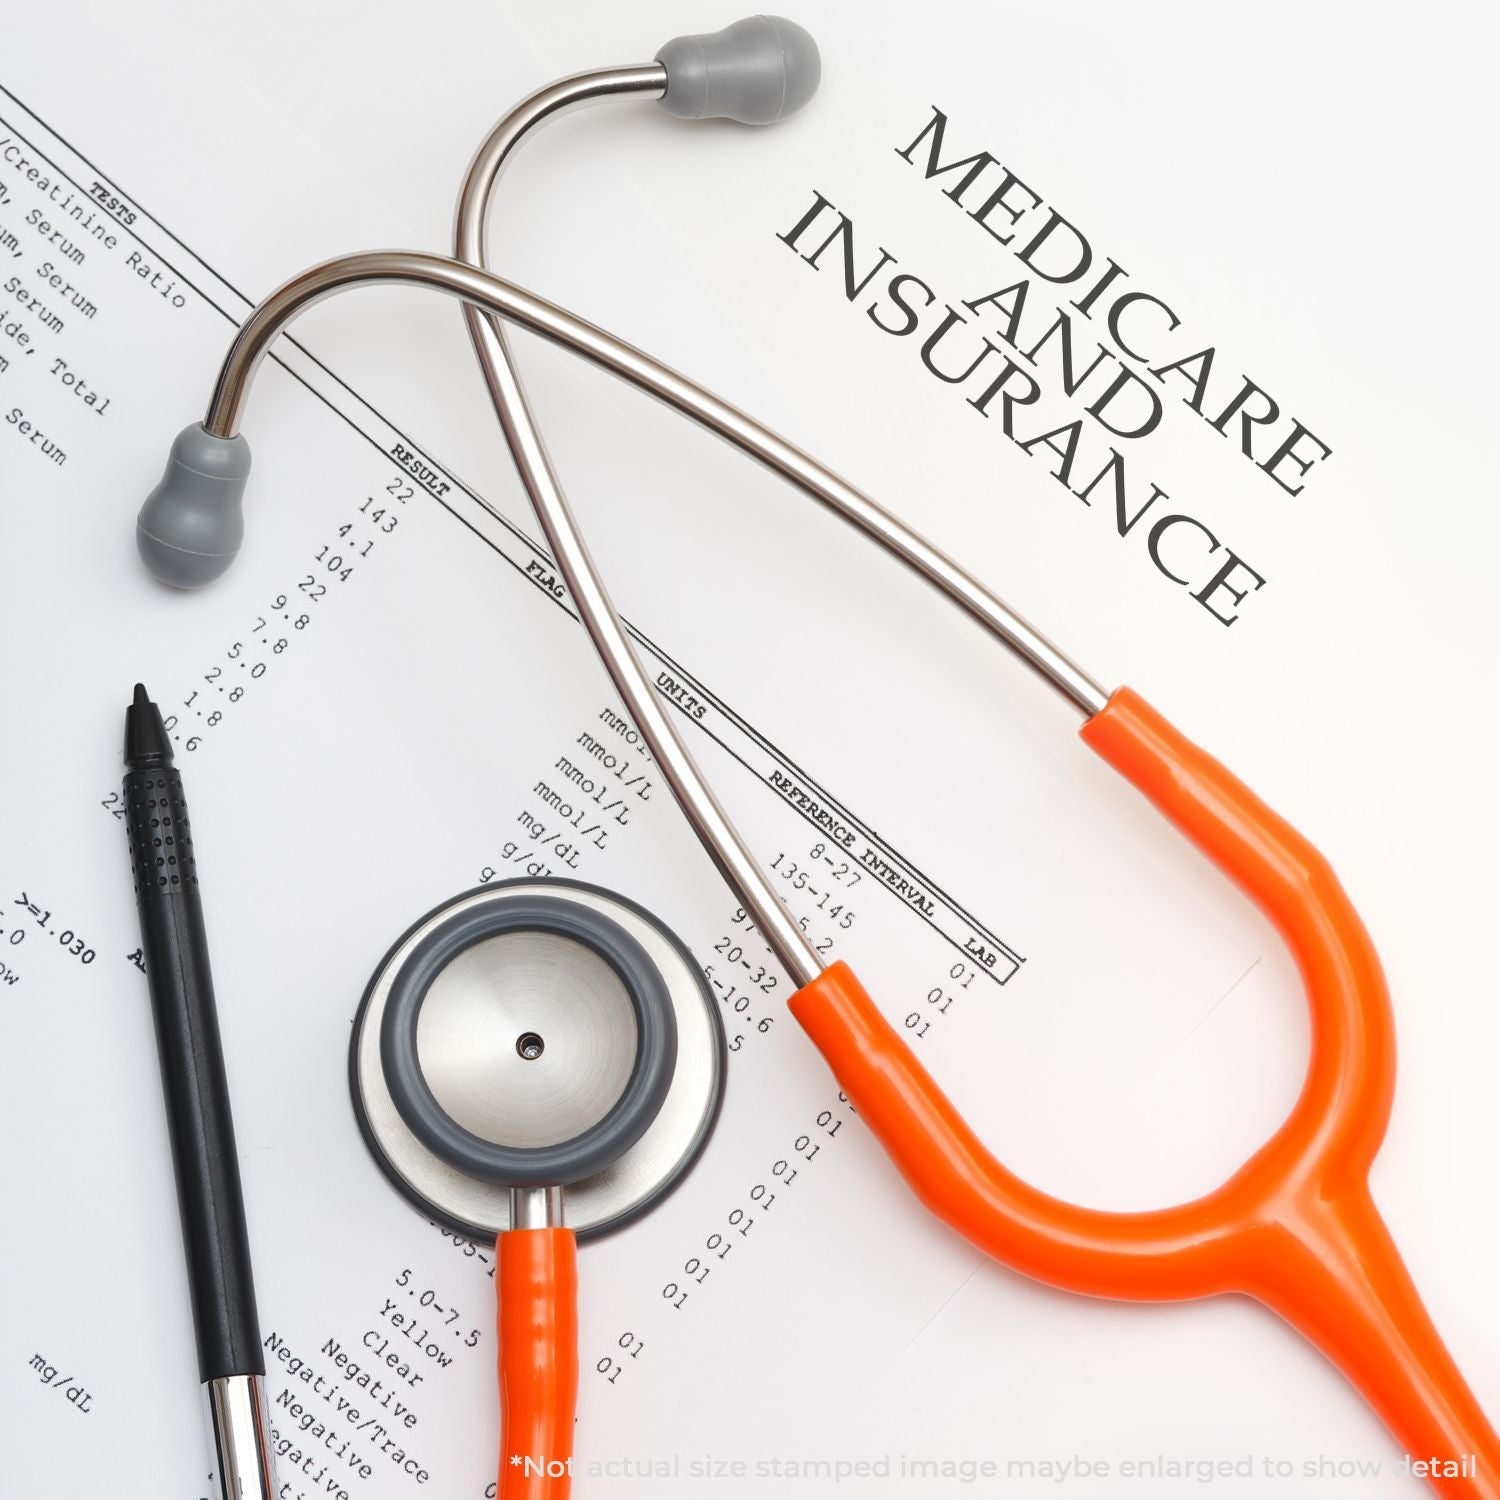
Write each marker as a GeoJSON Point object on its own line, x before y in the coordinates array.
{"type": "Point", "coordinates": [707, 816]}
{"type": "Point", "coordinates": [492, 348]}
{"type": "Point", "coordinates": [502, 299]}
{"type": "Point", "coordinates": [713, 827]}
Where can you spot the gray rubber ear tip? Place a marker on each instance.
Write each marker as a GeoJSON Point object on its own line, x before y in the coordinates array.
{"type": "Point", "coordinates": [191, 525]}
{"type": "Point", "coordinates": [758, 70]}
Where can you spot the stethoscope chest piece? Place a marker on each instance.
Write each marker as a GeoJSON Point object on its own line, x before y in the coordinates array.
{"type": "Point", "coordinates": [537, 1033]}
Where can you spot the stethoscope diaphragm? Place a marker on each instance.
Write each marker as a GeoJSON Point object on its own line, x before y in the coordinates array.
{"type": "Point", "coordinates": [537, 1033]}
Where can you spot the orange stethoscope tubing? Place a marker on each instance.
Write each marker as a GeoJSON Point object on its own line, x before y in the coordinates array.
{"type": "Point", "coordinates": [1295, 1227]}
{"type": "Point", "coordinates": [536, 1289]}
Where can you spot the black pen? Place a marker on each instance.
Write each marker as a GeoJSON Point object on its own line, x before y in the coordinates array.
{"type": "Point", "coordinates": [231, 1363]}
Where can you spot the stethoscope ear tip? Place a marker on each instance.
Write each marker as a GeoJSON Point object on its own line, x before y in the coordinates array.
{"type": "Point", "coordinates": [190, 528]}
{"type": "Point", "coordinates": [757, 71]}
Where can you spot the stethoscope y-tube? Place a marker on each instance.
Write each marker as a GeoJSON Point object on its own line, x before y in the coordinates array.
{"type": "Point", "coordinates": [1295, 1227]}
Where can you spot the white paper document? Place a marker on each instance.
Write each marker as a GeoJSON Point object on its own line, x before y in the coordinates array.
{"type": "Point", "coordinates": [1258, 489]}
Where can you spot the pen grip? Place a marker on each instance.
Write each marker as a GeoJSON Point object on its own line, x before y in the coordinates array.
{"type": "Point", "coordinates": [199, 1123]}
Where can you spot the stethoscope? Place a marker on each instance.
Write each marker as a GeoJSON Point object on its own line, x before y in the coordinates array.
{"type": "Point", "coordinates": [538, 1056]}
